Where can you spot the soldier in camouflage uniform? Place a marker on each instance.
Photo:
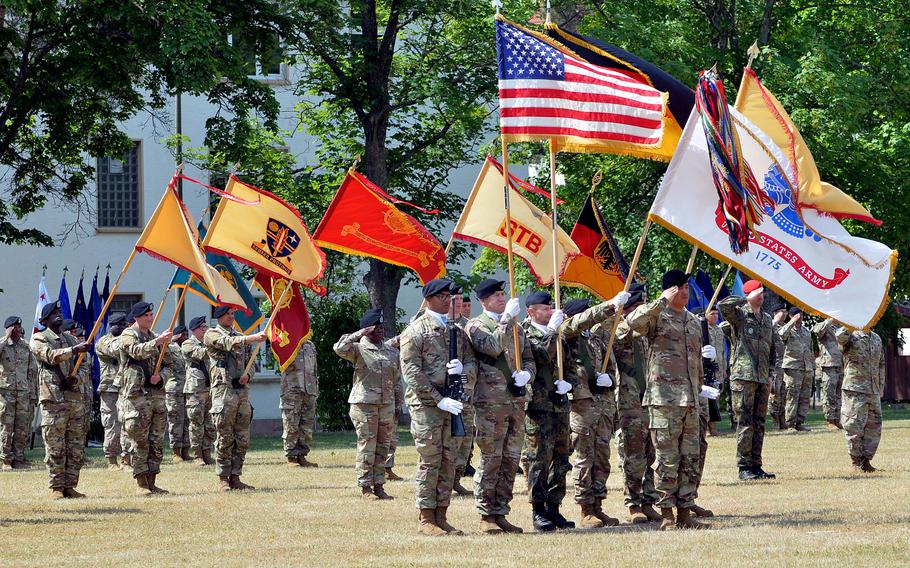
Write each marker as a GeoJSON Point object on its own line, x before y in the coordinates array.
{"type": "Point", "coordinates": [372, 399]}
{"type": "Point", "coordinates": [231, 410]}
{"type": "Point", "coordinates": [299, 390]}
{"type": "Point", "coordinates": [499, 402]}
{"type": "Point", "coordinates": [175, 400]}
{"type": "Point", "coordinates": [777, 400]}
{"type": "Point", "coordinates": [464, 446]}
{"type": "Point", "coordinates": [861, 402]}
{"type": "Point", "coordinates": [832, 370]}
{"type": "Point", "coordinates": [73, 329]}
{"type": "Point", "coordinates": [547, 435]}
{"type": "Point", "coordinates": [18, 382]}
{"type": "Point", "coordinates": [197, 391]}
{"type": "Point", "coordinates": [142, 396]}
{"type": "Point", "coordinates": [393, 440]}
{"type": "Point", "coordinates": [799, 370]}
{"type": "Point", "coordinates": [752, 357]}
{"type": "Point", "coordinates": [62, 411]}
{"type": "Point", "coordinates": [425, 366]}
{"type": "Point", "coordinates": [592, 418]}
{"type": "Point", "coordinates": [671, 395]}
{"type": "Point", "coordinates": [108, 350]}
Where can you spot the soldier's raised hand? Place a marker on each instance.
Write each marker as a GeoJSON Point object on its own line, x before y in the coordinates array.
{"type": "Point", "coordinates": [670, 293]}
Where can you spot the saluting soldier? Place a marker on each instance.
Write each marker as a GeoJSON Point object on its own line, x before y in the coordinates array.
{"type": "Point", "coordinates": [864, 383]}
{"type": "Point", "coordinates": [426, 367]}
{"type": "Point", "coordinates": [18, 383]}
{"type": "Point", "coordinates": [372, 399]}
{"type": "Point", "coordinates": [799, 370]}
{"type": "Point", "coordinates": [831, 362]}
{"type": "Point", "coordinates": [499, 399]}
{"type": "Point", "coordinates": [197, 390]}
{"type": "Point", "coordinates": [62, 411]}
{"type": "Point", "coordinates": [108, 350]}
{"type": "Point", "coordinates": [231, 410]}
{"type": "Point", "coordinates": [175, 400]}
{"type": "Point", "coordinates": [299, 390]}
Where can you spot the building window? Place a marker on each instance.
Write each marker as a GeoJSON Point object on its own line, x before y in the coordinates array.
{"type": "Point", "coordinates": [120, 191]}
{"type": "Point", "coordinates": [263, 57]}
{"type": "Point", "coordinates": [124, 302]}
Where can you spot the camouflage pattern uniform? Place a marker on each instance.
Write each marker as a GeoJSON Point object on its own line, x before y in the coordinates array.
{"type": "Point", "coordinates": [832, 365]}
{"type": "Point", "coordinates": [592, 419]}
{"type": "Point", "coordinates": [18, 383]}
{"type": "Point", "coordinates": [399, 405]}
{"type": "Point", "coordinates": [864, 383]}
{"type": "Point", "coordinates": [231, 410]}
{"type": "Point", "coordinates": [108, 350]}
{"type": "Point", "coordinates": [85, 387]}
{"type": "Point", "coordinates": [671, 395]}
{"type": "Point", "coordinates": [372, 401]}
{"type": "Point", "coordinates": [545, 457]}
{"type": "Point", "coordinates": [299, 390]}
{"type": "Point", "coordinates": [716, 338]}
{"type": "Point", "coordinates": [175, 400]}
{"type": "Point", "coordinates": [499, 411]}
{"type": "Point", "coordinates": [799, 370]}
{"type": "Point", "coordinates": [144, 412]}
{"type": "Point", "coordinates": [424, 355]}
{"type": "Point", "coordinates": [196, 390]}
{"type": "Point", "coordinates": [464, 446]}
{"type": "Point", "coordinates": [752, 356]}
{"type": "Point", "coordinates": [62, 411]}
{"type": "Point", "coordinates": [777, 401]}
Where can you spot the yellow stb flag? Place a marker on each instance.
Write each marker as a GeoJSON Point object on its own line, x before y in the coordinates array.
{"type": "Point", "coordinates": [762, 108]}
{"type": "Point", "coordinates": [265, 232]}
{"type": "Point", "coordinates": [170, 236]}
{"type": "Point", "coordinates": [483, 222]}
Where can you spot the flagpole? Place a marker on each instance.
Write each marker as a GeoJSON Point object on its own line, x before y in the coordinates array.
{"type": "Point", "coordinates": [506, 185]}
{"type": "Point", "coordinates": [717, 289]}
{"type": "Point", "coordinates": [556, 294]}
{"type": "Point", "coordinates": [160, 309]}
{"type": "Point", "coordinates": [275, 308]}
{"type": "Point", "coordinates": [691, 264]}
{"type": "Point", "coordinates": [638, 249]}
{"type": "Point", "coordinates": [173, 321]}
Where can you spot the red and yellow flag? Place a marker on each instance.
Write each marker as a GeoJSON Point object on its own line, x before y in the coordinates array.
{"type": "Point", "coordinates": [362, 220]}
{"type": "Point", "coordinates": [291, 325]}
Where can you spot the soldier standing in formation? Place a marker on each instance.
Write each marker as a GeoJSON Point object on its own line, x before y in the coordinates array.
{"type": "Point", "coordinates": [464, 446]}
{"type": "Point", "coordinates": [231, 410]}
{"type": "Point", "coordinates": [372, 399]}
{"type": "Point", "coordinates": [715, 340]}
{"type": "Point", "coordinates": [108, 350]}
{"type": "Point", "coordinates": [18, 388]}
{"type": "Point", "coordinates": [547, 436]}
{"type": "Point", "coordinates": [299, 390]}
{"type": "Point", "coordinates": [861, 405]}
{"type": "Point", "coordinates": [62, 411]}
{"type": "Point", "coordinates": [425, 366]}
{"type": "Point", "coordinates": [499, 398]}
{"type": "Point", "coordinates": [390, 475]}
{"type": "Point", "coordinates": [777, 400]}
{"type": "Point", "coordinates": [832, 368]}
{"type": "Point", "coordinates": [175, 400]}
{"type": "Point", "coordinates": [196, 391]}
{"type": "Point", "coordinates": [799, 369]}
{"type": "Point", "coordinates": [752, 357]}
{"type": "Point", "coordinates": [673, 386]}
{"type": "Point", "coordinates": [72, 328]}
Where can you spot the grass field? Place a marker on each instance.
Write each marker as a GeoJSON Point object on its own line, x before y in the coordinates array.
{"type": "Point", "coordinates": [816, 513]}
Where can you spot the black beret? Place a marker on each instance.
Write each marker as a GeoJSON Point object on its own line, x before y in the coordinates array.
{"type": "Point", "coordinates": [674, 278]}
{"type": "Point", "coordinates": [11, 321]}
{"type": "Point", "coordinates": [488, 287]}
{"type": "Point", "coordinates": [140, 309]}
{"type": "Point", "coordinates": [536, 298]}
{"type": "Point", "coordinates": [179, 329]}
{"type": "Point", "coordinates": [196, 322]}
{"type": "Point", "coordinates": [576, 306]}
{"type": "Point", "coordinates": [637, 293]}
{"type": "Point", "coordinates": [220, 311]}
{"type": "Point", "coordinates": [117, 319]}
{"type": "Point", "coordinates": [371, 317]}
{"type": "Point", "coordinates": [794, 310]}
{"type": "Point", "coordinates": [465, 297]}
{"type": "Point", "coordinates": [438, 286]}
{"type": "Point", "coordinates": [48, 309]}
{"type": "Point", "coordinates": [69, 324]}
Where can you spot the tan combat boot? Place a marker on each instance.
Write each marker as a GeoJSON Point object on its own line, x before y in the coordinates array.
{"type": "Point", "coordinates": [57, 493]}
{"type": "Point", "coordinates": [126, 461]}
{"type": "Point", "coordinates": [113, 463]}
{"type": "Point", "coordinates": [239, 485]}
{"type": "Point", "coordinates": [684, 520]}
{"type": "Point", "coordinates": [506, 526]}
{"type": "Point", "coordinates": [458, 488]}
{"type": "Point", "coordinates": [636, 517]}
{"type": "Point", "coordinates": [178, 456]}
{"type": "Point", "coordinates": [426, 523]}
{"type": "Point", "coordinates": [224, 483]}
{"type": "Point", "coordinates": [667, 522]}
{"type": "Point", "coordinates": [701, 511]}
{"type": "Point", "coordinates": [606, 519]}
{"type": "Point", "coordinates": [292, 462]}
{"type": "Point", "coordinates": [652, 515]}
{"type": "Point", "coordinates": [154, 488]}
{"type": "Point", "coordinates": [391, 475]}
{"type": "Point", "coordinates": [380, 492]}
{"type": "Point", "coordinates": [306, 463]}
{"type": "Point", "coordinates": [143, 489]}
{"type": "Point", "coordinates": [366, 493]}
{"type": "Point", "coordinates": [197, 457]}
{"type": "Point", "coordinates": [71, 493]}
{"type": "Point", "coordinates": [589, 519]}
{"type": "Point", "coordinates": [488, 525]}
{"type": "Point", "coordinates": [442, 523]}
{"type": "Point", "coordinates": [207, 457]}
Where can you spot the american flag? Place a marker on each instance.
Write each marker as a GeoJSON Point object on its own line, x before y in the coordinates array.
{"type": "Point", "coordinates": [545, 93]}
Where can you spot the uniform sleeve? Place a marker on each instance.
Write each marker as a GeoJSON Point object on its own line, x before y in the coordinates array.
{"type": "Point", "coordinates": [222, 341]}
{"type": "Point", "coordinates": [137, 349]}
{"type": "Point", "coordinates": [729, 308]}
{"type": "Point", "coordinates": [822, 328]}
{"type": "Point", "coordinates": [527, 358]}
{"type": "Point", "coordinates": [399, 393]}
{"type": "Point", "coordinates": [844, 338]}
{"type": "Point", "coordinates": [587, 319]}
{"type": "Point", "coordinates": [412, 371]}
{"type": "Point", "coordinates": [785, 330]}
{"type": "Point", "coordinates": [644, 318]}
{"type": "Point", "coordinates": [468, 361]}
{"type": "Point", "coordinates": [168, 364]}
{"type": "Point", "coordinates": [483, 340]}
{"type": "Point", "coordinates": [882, 369]}
{"type": "Point", "coordinates": [194, 351]}
{"type": "Point", "coordinates": [103, 347]}
{"type": "Point", "coordinates": [45, 354]}
{"type": "Point", "coordinates": [347, 347]}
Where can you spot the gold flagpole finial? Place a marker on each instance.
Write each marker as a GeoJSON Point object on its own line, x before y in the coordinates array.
{"type": "Point", "coordinates": [353, 167]}
{"type": "Point", "coordinates": [595, 181]}
{"type": "Point", "coordinates": [752, 52]}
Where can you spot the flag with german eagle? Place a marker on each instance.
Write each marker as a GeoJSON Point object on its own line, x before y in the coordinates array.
{"type": "Point", "coordinates": [291, 325]}
{"type": "Point", "coordinates": [600, 268]}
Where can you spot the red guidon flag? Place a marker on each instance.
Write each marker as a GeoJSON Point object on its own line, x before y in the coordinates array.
{"type": "Point", "coordinates": [600, 268]}
{"type": "Point", "coordinates": [291, 325]}
{"type": "Point", "coordinates": [362, 220]}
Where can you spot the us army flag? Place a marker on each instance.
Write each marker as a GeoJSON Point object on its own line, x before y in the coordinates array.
{"type": "Point", "coordinates": [269, 236]}
{"type": "Point", "coordinates": [483, 222]}
{"type": "Point", "coordinates": [807, 257]}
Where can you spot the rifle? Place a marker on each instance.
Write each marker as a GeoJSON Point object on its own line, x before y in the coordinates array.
{"type": "Point", "coordinates": [454, 387]}
{"type": "Point", "coordinates": [710, 369]}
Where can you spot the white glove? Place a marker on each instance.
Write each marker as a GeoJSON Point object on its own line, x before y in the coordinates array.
{"type": "Point", "coordinates": [562, 387]}
{"type": "Point", "coordinates": [556, 320]}
{"type": "Point", "coordinates": [619, 300]}
{"type": "Point", "coordinates": [708, 352]}
{"type": "Point", "coordinates": [521, 378]}
{"type": "Point", "coordinates": [450, 405]}
{"type": "Point", "coordinates": [604, 380]}
{"type": "Point", "coordinates": [455, 367]}
{"type": "Point", "coordinates": [513, 306]}
{"type": "Point", "coordinates": [710, 393]}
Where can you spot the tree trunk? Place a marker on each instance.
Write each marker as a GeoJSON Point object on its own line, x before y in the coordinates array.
{"type": "Point", "coordinates": [764, 34]}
